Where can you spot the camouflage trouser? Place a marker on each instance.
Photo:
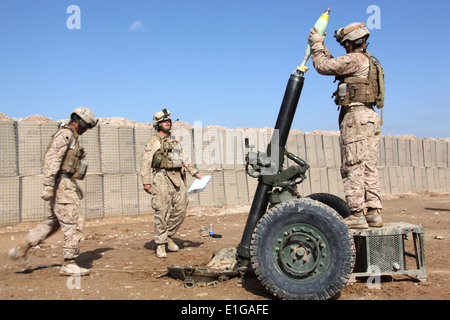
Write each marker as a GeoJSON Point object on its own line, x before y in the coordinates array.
{"type": "Point", "coordinates": [360, 133]}
{"type": "Point", "coordinates": [65, 215]}
{"type": "Point", "coordinates": [170, 204]}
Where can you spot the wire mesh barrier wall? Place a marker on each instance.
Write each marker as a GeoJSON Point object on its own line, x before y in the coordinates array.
{"type": "Point", "coordinates": [112, 186]}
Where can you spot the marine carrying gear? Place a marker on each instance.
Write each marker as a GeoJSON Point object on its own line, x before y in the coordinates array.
{"type": "Point", "coordinates": [72, 164]}
{"type": "Point", "coordinates": [168, 155]}
{"type": "Point", "coordinates": [368, 90]}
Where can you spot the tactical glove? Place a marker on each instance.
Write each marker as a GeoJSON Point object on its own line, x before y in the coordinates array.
{"type": "Point", "coordinates": [48, 193]}
{"type": "Point", "coordinates": [315, 36]}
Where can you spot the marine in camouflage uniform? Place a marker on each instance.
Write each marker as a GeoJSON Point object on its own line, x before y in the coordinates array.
{"type": "Point", "coordinates": [62, 166]}
{"type": "Point", "coordinates": [359, 123]}
{"type": "Point", "coordinates": [163, 174]}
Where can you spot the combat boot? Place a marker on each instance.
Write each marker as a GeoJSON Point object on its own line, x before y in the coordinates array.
{"type": "Point", "coordinates": [373, 218]}
{"type": "Point", "coordinates": [19, 254]}
{"type": "Point", "coordinates": [356, 220]}
{"type": "Point", "coordinates": [171, 245]}
{"type": "Point", "coordinates": [71, 268]}
{"type": "Point", "coordinates": [161, 251]}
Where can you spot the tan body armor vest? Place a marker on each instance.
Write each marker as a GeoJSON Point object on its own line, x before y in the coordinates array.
{"type": "Point", "coordinates": [72, 164]}
{"type": "Point", "coordinates": [369, 91]}
{"type": "Point", "coordinates": [168, 156]}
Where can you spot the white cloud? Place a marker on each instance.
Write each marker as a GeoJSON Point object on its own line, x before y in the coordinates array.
{"type": "Point", "coordinates": [137, 25]}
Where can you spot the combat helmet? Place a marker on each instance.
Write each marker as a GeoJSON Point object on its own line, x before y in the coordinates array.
{"type": "Point", "coordinates": [161, 116]}
{"type": "Point", "coordinates": [85, 117]}
{"type": "Point", "coordinates": [353, 32]}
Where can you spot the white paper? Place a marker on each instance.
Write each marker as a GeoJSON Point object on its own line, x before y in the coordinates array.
{"type": "Point", "coordinates": [199, 185]}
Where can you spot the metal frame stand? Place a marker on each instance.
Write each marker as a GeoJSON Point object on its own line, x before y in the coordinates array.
{"type": "Point", "coordinates": [383, 251]}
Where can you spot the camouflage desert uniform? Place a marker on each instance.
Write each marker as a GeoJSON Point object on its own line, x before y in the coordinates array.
{"type": "Point", "coordinates": [65, 202]}
{"type": "Point", "coordinates": [360, 132]}
{"type": "Point", "coordinates": [170, 198]}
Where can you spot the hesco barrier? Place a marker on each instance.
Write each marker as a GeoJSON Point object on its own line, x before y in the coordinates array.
{"type": "Point", "coordinates": [113, 187]}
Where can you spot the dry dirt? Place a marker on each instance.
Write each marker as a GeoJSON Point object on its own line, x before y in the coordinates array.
{"type": "Point", "coordinates": [120, 253]}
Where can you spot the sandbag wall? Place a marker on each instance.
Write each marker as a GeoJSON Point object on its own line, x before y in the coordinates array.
{"type": "Point", "coordinates": [113, 187]}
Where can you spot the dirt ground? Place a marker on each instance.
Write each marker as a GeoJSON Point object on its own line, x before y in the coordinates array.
{"type": "Point", "coordinates": [120, 253]}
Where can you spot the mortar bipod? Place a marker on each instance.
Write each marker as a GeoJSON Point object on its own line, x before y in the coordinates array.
{"type": "Point", "coordinates": [195, 275]}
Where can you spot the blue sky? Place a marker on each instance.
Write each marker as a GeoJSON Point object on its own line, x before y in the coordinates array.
{"type": "Point", "coordinates": [221, 62]}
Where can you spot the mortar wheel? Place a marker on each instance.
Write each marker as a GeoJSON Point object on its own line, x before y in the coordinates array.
{"type": "Point", "coordinates": [302, 249]}
{"type": "Point", "coordinates": [334, 202]}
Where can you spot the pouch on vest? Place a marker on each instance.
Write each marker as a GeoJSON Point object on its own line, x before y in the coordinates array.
{"type": "Point", "coordinates": [158, 161]}
{"type": "Point", "coordinates": [341, 93]}
{"type": "Point", "coordinates": [81, 171]}
{"type": "Point", "coordinates": [80, 168]}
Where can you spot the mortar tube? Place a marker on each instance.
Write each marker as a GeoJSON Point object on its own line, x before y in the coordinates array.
{"type": "Point", "coordinates": [282, 127]}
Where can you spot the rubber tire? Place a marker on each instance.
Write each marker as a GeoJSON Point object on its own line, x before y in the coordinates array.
{"type": "Point", "coordinates": [330, 224]}
{"type": "Point", "coordinates": [334, 202]}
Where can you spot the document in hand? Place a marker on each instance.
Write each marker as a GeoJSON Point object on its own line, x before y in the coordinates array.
{"type": "Point", "coordinates": [199, 185]}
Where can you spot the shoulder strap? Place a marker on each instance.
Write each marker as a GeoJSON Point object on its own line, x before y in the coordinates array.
{"type": "Point", "coordinates": [381, 87]}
